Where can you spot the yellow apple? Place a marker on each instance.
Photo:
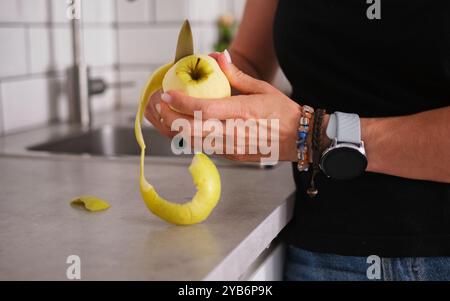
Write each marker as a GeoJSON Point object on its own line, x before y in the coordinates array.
{"type": "Point", "coordinates": [197, 76]}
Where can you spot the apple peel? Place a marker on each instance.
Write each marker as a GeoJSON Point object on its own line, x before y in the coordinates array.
{"type": "Point", "coordinates": [91, 203]}
{"type": "Point", "coordinates": [203, 171]}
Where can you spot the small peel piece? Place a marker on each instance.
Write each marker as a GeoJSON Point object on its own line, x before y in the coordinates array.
{"type": "Point", "coordinates": [91, 203]}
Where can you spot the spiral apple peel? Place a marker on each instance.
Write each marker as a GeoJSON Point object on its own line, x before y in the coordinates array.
{"type": "Point", "coordinates": [177, 76]}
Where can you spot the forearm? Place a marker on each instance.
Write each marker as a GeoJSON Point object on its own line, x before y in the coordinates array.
{"type": "Point", "coordinates": [252, 50]}
{"type": "Point", "coordinates": [414, 146]}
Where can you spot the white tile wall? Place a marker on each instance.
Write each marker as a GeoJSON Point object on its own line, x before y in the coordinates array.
{"type": "Point", "coordinates": [39, 11]}
{"type": "Point", "coordinates": [35, 39]}
{"type": "Point", "coordinates": [155, 43]}
{"type": "Point", "coordinates": [172, 10]}
{"type": "Point", "coordinates": [134, 11]}
{"type": "Point", "coordinates": [29, 103]}
{"type": "Point", "coordinates": [34, 10]}
{"type": "Point", "coordinates": [100, 46]}
{"type": "Point", "coordinates": [204, 38]}
{"type": "Point", "coordinates": [58, 9]}
{"type": "Point", "coordinates": [50, 49]}
{"type": "Point", "coordinates": [10, 11]}
{"type": "Point", "coordinates": [13, 59]}
{"type": "Point", "coordinates": [1, 115]}
{"type": "Point", "coordinates": [207, 11]}
{"type": "Point", "coordinates": [98, 11]}
{"type": "Point", "coordinates": [238, 8]}
{"type": "Point", "coordinates": [145, 42]}
{"type": "Point", "coordinates": [147, 45]}
{"type": "Point", "coordinates": [94, 11]}
{"type": "Point", "coordinates": [130, 96]}
{"type": "Point", "coordinates": [194, 10]}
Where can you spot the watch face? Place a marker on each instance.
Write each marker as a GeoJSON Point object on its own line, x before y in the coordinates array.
{"type": "Point", "coordinates": [343, 162]}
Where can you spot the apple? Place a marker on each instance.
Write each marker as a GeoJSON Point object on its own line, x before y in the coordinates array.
{"type": "Point", "coordinates": [198, 76]}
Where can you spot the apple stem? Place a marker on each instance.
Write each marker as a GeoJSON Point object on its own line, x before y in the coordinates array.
{"type": "Point", "coordinates": [196, 64]}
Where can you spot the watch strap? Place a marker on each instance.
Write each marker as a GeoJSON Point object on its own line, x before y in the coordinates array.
{"type": "Point", "coordinates": [344, 127]}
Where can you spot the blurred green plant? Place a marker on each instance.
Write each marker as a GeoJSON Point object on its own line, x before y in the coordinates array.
{"type": "Point", "coordinates": [226, 26]}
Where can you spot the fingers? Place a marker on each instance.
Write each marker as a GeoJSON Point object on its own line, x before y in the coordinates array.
{"type": "Point", "coordinates": [211, 137]}
{"type": "Point", "coordinates": [152, 114]}
{"type": "Point", "coordinates": [214, 55]}
{"type": "Point", "coordinates": [176, 121]}
{"type": "Point", "coordinates": [244, 158]}
{"type": "Point", "coordinates": [224, 108]}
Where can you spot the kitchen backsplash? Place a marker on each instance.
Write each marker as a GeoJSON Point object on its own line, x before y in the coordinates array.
{"type": "Point", "coordinates": [125, 40]}
{"type": "Point", "coordinates": [147, 33]}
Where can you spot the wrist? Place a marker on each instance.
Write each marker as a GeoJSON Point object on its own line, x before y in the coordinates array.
{"type": "Point", "coordinates": [325, 141]}
{"type": "Point", "coordinates": [370, 135]}
{"type": "Point", "coordinates": [291, 153]}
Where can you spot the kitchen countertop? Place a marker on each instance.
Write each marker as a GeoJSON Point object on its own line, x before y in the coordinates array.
{"type": "Point", "coordinates": [39, 229]}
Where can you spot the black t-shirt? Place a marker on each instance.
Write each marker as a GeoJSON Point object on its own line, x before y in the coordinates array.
{"type": "Point", "coordinates": [339, 60]}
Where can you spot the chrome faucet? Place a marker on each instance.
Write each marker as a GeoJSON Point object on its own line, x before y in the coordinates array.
{"type": "Point", "coordinates": [81, 86]}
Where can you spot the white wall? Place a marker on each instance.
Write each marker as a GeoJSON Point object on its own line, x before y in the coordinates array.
{"type": "Point", "coordinates": [35, 50]}
{"type": "Point", "coordinates": [124, 40]}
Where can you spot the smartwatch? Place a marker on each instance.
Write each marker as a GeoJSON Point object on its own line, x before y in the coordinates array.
{"type": "Point", "coordinates": [346, 157]}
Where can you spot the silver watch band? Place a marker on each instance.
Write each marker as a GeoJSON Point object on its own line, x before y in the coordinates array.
{"type": "Point", "coordinates": [344, 127]}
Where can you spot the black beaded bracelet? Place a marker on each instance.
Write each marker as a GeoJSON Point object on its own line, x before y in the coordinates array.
{"type": "Point", "coordinates": [316, 138]}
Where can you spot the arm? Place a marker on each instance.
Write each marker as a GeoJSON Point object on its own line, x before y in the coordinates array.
{"type": "Point", "coordinates": [414, 146]}
{"type": "Point", "coordinates": [252, 50]}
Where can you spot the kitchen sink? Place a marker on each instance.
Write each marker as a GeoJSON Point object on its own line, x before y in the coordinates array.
{"type": "Point", "coordinates": [119, 141]}
{"type": "Point", "coordinates": [109, 141]}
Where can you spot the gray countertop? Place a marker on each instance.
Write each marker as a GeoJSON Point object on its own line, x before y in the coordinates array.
{"type": "Point", "coordinates": [39, 229]}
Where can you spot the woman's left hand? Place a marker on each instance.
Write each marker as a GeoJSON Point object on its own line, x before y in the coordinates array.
{"type": "Point", "coordinates": [259, 101]}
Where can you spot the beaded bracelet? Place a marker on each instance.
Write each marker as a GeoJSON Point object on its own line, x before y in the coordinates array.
{"type": "Point", "coordinates": [312, 191]}
{"type": "Point", "coordinates": [302, 136]}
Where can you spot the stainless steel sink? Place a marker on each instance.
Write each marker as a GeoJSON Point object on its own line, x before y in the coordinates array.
{"type": "Point", "coordinates": [108, 141]}
{"type": "Point", "coordinates": [119, 141]}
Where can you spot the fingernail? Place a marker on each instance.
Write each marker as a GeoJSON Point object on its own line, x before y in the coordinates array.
{"type": "Point", "coordinates": [158, 108]}
{"type": "Point", "coordinates": [161, 120]}
{"type": "Point", "coordinates": [227, 56]}
{"type": "Point", "coordinates": [166, 98]}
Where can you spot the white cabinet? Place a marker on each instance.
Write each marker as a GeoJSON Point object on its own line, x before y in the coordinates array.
{"type": "Point", "coordinates": [269, 265]}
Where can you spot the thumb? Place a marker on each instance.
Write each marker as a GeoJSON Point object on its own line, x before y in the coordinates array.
{"type": "Point", "coordinates": [238, 79]}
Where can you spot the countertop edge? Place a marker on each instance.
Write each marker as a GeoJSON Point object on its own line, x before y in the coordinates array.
{"type": "Point", "coordinates": [235, 264]}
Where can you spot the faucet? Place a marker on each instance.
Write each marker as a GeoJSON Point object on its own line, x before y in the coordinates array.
{"type": "Point", "coordinates": [81, 86]}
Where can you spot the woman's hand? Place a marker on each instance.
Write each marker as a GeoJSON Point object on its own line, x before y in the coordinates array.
{"type": "Point", "coordinates": [259, 101]}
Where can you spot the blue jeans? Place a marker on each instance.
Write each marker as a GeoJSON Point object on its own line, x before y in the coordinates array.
{"type": "Point", "coordinates": [302, 265]}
